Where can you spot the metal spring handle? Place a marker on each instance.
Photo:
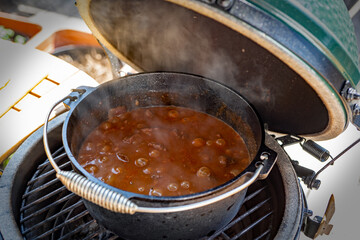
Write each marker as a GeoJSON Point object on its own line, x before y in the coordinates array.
{"type": "Point", "coordinates": [114, 201]}
{"type": "Point", "coordinates": [96, 193]}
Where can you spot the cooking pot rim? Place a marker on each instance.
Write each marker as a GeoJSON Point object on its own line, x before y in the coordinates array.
{"type": "Point", "coordinates": [131, 195]}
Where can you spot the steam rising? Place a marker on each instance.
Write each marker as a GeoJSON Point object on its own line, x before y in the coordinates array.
{"type": "Point", "coordinates": [160, 36]}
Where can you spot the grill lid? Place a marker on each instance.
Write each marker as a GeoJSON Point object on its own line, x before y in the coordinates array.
{"type": "Point", "coordinates": [275, 61]}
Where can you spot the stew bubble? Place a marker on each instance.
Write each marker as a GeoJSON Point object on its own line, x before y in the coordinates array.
{"type": "Point", "coordinates": [141, 162]}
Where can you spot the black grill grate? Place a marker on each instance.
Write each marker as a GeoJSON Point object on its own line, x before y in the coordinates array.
{"type": "Point", "coordinates": [50, 211]}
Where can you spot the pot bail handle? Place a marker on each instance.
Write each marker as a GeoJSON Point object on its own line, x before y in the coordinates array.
{"type": "Point", "coordinates": [115, 201]}
{"type": "Point", "coordinates": [84, 187]}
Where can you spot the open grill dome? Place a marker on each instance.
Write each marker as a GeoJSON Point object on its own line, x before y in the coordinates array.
{"type": "Point", "coordinates": [290, 81]}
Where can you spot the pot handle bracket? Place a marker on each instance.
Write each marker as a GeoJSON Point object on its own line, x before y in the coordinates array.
{"type": "Point", "coordinates": [268, 158]}
{"type": "Point", "coordinates": [75, 95]}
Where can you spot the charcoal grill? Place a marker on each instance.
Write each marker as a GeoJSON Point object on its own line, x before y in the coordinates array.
{"type": "Point", "coordinates": [35, 205]}
{"type": "Point", "coordinates": [284, 56]}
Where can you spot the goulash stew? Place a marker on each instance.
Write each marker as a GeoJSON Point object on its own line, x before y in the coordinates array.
{"type": "Point", "coordinates": [163, 151]}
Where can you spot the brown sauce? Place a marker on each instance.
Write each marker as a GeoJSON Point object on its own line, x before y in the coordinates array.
{"type": "Point", "coordinates": [163, 151]}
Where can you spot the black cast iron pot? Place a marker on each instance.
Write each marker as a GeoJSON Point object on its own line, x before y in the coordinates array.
{"type": "Point", "coordinates": [136, 216]}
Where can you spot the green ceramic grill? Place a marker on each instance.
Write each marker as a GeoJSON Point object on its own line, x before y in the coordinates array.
{"type": "Point", "coordinates": [295, 61]}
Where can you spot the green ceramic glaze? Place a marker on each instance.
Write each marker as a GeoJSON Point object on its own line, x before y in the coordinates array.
{"type": "Point", "coordinates": [325, 23]}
